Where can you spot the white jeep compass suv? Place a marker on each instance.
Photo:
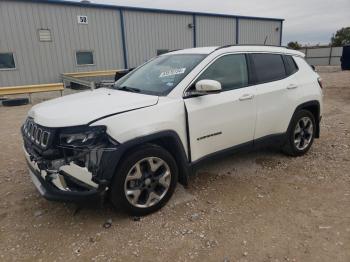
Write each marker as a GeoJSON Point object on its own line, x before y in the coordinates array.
{"type": "Point", "coordinates": [133, 142]}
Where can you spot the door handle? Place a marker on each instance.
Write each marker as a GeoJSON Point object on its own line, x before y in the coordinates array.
{"type": "Point", "coordinates": [292, 86]}
{"type": "Point", "coordinates": [246, 97]}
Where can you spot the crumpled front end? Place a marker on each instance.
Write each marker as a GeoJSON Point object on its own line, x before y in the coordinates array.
{"type": "Point", "coordinates": [69, 164]}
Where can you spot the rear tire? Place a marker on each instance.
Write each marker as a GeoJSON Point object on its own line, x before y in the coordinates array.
{"type": "Point", "coordinates": [301, 133]}
{"type": "Point", "coordinates": [144, 181]}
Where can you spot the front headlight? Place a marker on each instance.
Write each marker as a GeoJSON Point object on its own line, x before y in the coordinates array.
{"type": "Point", "coordinates": [82, 136]}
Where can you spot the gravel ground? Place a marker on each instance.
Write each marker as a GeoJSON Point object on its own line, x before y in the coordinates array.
{"type": "Point", "coordinates": [259, 206]}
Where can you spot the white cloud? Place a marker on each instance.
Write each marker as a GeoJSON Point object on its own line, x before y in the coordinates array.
{"type": "Point", "coordinates": [306, 21]}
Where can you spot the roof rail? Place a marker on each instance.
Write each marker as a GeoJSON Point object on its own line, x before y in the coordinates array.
{"type": "Point", "coordinates": [173, 50]}
{"type": "Point", "coordinates": [226, 46]}
{"type": "Point", "coordinates": [169, 51]}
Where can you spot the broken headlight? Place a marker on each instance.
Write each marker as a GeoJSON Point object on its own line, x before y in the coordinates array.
{"type": "Point", "coordinates": [88, 147]}
{"type": "Point", "coordinates": [86, 136]}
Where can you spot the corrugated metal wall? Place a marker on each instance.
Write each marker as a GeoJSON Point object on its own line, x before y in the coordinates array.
{"type": "Point", "coordinates": [215, 31]}
{"type": "Point", "coordinates": [42, 62]}
{"type": "Point", "coordinates": [319, 56]}
{"type": "Point", "coordinates": [335, 55]}
{"type": "Point", "coordinates": [146, 32]}
{"type": "Point", "coordinates": [323, 55]}
{"type": "Point", "coordinates": [256, 31]}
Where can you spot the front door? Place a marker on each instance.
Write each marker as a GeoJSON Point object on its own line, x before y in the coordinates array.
{"type": "Point", "coordinates": [223, 120]}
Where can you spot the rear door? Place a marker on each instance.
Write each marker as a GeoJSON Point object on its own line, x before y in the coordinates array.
{"type": "Point", "coordinates": [276, 93]}
{"type": "Point", "coordinates": [223, 120]}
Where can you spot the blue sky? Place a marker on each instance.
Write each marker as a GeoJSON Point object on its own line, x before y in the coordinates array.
{"type": "Point", "coordinates": [306, 21]}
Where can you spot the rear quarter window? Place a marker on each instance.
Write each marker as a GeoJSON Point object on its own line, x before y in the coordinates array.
{"type": "Point", "coordinates": [291, 66]}
{"type": "Point", "coordinates": [268, 67]}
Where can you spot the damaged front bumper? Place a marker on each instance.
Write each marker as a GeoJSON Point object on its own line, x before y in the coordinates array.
{"type": "Point", "coordinates": [53, 185]}
{"type": "Point", "coordinates": [71, 174]}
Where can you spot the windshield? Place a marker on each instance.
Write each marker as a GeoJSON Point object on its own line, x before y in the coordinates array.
{"type": "Point", "coordinates": [160, 75]}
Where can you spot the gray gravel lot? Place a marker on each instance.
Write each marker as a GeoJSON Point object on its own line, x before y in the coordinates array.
{"type": "Point", "coordinates": [258, 206]}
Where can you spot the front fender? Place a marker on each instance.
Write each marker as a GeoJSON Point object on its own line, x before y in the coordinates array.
{"type": "Point", "coordinates": [168, 139]}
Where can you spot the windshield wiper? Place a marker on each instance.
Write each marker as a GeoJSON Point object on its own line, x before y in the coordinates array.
{"type": "Point", "coordinates": [129, 89]}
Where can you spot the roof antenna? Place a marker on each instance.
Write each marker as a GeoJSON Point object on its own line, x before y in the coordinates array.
{"type": "Point", "coordinates": [265, 40]}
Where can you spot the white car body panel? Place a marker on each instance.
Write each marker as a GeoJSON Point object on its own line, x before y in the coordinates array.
{"type": "Point", "coordinates": [167, 115]}
{"type": "Point", "coordinates": [307, 78]}
{"type": "Point", "coordinates": [81, 108]}
{"type": "Point", "coordinates": [275, 105]}
{"type": "Point", "coordinates": [277, 101]}
{"type": "Point", "coordinates": [220, 121]}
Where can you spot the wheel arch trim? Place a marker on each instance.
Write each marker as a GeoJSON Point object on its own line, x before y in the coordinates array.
{"type": "Point", "coordinates": [306, 106]}
{"type": "Point", "coordinates": [177, 151]}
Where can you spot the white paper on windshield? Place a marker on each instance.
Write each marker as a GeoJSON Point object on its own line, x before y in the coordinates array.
{"type": "Point", "coordinates": [176, 71]}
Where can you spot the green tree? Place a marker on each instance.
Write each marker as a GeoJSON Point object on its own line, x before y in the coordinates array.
{"type": "Point", "coordinates": [341, 37]}
{"type": "Point", "coordinates": [294, 45]}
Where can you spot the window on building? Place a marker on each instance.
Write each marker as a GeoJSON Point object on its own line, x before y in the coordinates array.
{"type": "Point", "coordinates": [230, 70]}
{"type": "Point", "coordinates": [268, 67]}
{"type": "Point", "coordinates": [85, 58]}
{"type": "Point", "coordinates": [7, 61]}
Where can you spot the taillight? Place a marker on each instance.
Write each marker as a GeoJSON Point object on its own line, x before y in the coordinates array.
{"type": "Point", "coordinates": [319, 80]}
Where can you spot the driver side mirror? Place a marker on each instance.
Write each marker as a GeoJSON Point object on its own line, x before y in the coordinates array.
{"type": "Point", "coordinates": [208, 86]}
{"type": "Point", "coordinates": [204, 87]}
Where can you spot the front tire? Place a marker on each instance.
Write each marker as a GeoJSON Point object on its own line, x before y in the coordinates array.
{"type": "Point", "coordinates": [300, 134]}
{"type": "Point", "coordinates": [145, 180]}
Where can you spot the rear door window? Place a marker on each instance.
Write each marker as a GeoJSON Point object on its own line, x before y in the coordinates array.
{"type": "Point", "coordinates": [268, 67]}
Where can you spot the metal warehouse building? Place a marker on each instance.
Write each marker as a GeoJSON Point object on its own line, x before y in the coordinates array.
{"type": "Point", "coordinates": [40, 40]}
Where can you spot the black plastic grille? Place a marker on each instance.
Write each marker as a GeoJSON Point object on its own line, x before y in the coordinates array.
{"type": "Point", "coordinates": [38, 135]}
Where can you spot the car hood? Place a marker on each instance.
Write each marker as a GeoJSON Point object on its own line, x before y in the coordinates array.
{"type": "Point", "coordinates": [84, 107]}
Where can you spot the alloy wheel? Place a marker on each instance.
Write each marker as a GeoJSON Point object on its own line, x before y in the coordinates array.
{"type": "Point", "coordinates": [303, 133]}
{"type": "Point", "coordinates": [147, 182]}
